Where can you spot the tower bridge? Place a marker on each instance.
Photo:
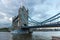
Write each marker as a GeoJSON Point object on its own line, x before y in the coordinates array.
{"type": "Point", "coordinates": [20, 22]}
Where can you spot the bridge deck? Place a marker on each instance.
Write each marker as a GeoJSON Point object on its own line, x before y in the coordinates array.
{"type": "Point", "coordinates": [42, 26]}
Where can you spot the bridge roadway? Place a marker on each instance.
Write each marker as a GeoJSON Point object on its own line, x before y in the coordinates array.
{"type": "Point", "coordinates": [44, 25]}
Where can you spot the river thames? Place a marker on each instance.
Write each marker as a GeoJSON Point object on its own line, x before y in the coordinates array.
{"type": "Point", "coordinates": [40, 35]}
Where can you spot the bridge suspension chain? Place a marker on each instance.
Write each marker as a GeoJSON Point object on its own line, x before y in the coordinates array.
{"type": "Point", "coordinates": [52, 18]}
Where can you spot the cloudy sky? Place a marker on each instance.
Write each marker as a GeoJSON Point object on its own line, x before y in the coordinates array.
{"type": "Point", "coordinates": [39, 10]}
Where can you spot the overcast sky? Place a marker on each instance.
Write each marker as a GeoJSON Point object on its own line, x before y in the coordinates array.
{"type": "Point", "coordinates": [39, 10]}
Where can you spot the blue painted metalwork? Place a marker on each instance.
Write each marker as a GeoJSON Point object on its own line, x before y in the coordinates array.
{"type": "Point", "coordinates": [50, 18]}
{"type": "Point", "coordinates": [43, 24]}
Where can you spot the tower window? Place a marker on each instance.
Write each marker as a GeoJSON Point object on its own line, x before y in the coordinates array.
{"type": "Point", "coordinates": [25, 25]}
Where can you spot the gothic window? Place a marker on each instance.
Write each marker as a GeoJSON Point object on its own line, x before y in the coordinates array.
{"type": "Point", "coordinates": [25, 25]}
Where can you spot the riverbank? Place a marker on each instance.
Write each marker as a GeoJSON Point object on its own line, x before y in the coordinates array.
{"type": "Point", "coordinates": [4, 29]}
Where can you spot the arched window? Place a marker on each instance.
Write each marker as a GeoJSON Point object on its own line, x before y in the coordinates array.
{"type": "Point", "coordinates": [25, 25]}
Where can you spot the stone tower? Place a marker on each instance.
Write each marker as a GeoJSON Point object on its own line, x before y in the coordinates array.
{"type": "Point", "coordinates": [23, 16]}
{"type": "Point", "coordinates": [21, 20]}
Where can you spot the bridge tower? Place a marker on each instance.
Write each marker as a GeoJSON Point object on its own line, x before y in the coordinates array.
{"type": "Point", "coordinates": [21, 20]}
{"type": "Point", "coordinates": [23, 16]}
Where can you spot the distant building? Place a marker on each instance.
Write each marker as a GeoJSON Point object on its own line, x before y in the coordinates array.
{"type": "Point", "coordinates": [21, 19]}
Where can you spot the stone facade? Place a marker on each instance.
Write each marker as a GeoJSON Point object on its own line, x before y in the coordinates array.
{"type": "Point", "coordinates": [21, 19]}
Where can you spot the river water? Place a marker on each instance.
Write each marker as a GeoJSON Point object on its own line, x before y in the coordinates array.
{"type": "Point", "coordinates": [34, 36]}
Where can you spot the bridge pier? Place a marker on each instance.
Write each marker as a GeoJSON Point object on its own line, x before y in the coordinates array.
{"type": "Point", "coordinates": [27, 30]}
{"type": "Point", "coordinates": [22, 31]}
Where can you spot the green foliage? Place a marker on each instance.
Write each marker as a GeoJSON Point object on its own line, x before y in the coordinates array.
{"type": "Point", "coordinates": [4, 29]}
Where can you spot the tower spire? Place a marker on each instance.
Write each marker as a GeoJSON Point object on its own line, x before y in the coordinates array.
{"type": "Point", "coordinates": [22, 3]}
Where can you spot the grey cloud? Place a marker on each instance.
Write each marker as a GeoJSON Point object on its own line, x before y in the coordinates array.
{"type": "Point", "coordinates": [1, 16]}
{"type": "Point", "coordinates": [47, 9]}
